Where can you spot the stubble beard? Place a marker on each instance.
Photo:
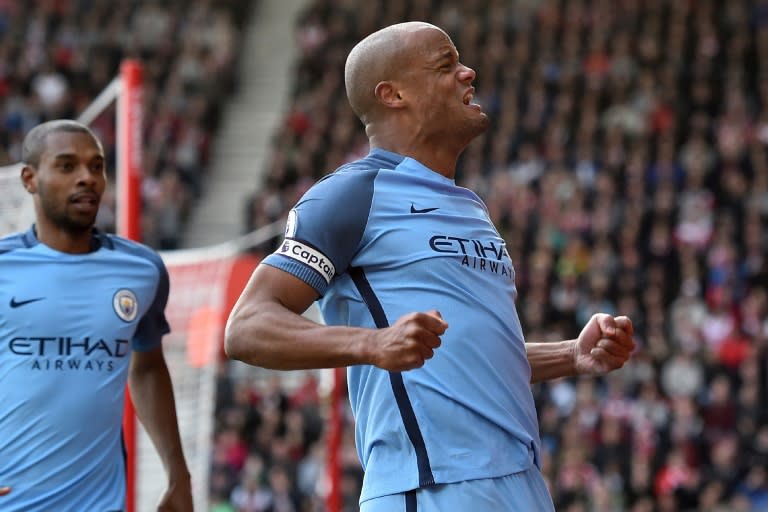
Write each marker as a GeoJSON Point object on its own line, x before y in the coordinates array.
{"type": "Point", "coordinates": [63, 220]}
{"type": "Point", "coordinates": [477, 128]}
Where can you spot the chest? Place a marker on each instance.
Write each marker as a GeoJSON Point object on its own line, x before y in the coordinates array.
{"type": "Point", "coordinates": [77, 300]}
{"type": "Point", "coordinates": [433, 227]}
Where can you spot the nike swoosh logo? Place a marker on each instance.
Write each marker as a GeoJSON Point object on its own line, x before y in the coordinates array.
{"type": "Point", "coordinates": [18, 304]}
{"type": "Point", "coordinates": [425, 210]}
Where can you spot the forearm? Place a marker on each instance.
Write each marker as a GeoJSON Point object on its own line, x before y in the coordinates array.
{"type": "Point", "coordinates": [152, 394]}
{"type": "Point", "coordinates": [551, 360]}
{"type": "Point", "coordinates": [274, 337]}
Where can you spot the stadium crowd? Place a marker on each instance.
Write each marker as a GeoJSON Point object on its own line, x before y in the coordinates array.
{"type": "Point", "coordinates": [627, 168]}
{"type": "Point", "coordinates": [57, 56]}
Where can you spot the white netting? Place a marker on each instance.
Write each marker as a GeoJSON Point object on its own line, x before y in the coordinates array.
{"type": "Point", "coordinates": [199, 280]}
{"type": "Point", "coordinates": [16, 209]}
{"type": "Point", "coordinates": [195, 312]}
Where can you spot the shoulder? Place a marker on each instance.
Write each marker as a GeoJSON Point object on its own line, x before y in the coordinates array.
{"type": "Point", "coordinates": [132, 248]}
{"type": "Point", "coordinates": [347, 179]}
{"type": "Point", "coordinates": [361, 172]}
{"type": "Point", "coordinates": [12, 242]}
{"type": "Point", "coordinates": [351, 185]}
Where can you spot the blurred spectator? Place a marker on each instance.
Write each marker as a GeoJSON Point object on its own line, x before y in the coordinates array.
{"type": "Point", "coordinates": [57, 56]}
{"type": "Point", "coordinates": [627, 168]}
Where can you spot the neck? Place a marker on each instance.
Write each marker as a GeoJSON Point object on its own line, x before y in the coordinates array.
{"type": "Point", "coordinates": [437, 158]}
{"type": "Point", "coordinates": [63, 241]}
{"type": "Point", "coordinates": [440, 156]}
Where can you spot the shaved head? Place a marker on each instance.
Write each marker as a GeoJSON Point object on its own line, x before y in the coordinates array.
{"type": "Point", "coordinates": [379, 57]}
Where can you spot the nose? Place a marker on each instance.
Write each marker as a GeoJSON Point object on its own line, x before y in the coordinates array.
{"type": "Point", "coordinates": [84, 176]}
{"type": "Point", "coordinates": [466, 74]}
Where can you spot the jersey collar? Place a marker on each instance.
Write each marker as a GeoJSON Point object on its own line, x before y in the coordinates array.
{"type": "Point", "coordinates": [98, 239]}
{"type": "Point", "coordinates": [390, 159]}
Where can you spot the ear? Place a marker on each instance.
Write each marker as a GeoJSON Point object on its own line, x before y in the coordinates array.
{"type": "Point", "coordinates": [388, 94]}
{"type": "Point", "coordinates": [29, 178]}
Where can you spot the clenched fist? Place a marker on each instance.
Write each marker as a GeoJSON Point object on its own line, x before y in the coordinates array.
{"type": "Point", "coordinates": [604, 344]}
{"type": "Point", "coordinates": [409, 342]}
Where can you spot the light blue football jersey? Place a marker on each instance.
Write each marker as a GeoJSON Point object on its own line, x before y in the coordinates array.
{"type": "Point", "coordinates": [68, 324]}
{"type": "Point", "coordinates": [386, 236]}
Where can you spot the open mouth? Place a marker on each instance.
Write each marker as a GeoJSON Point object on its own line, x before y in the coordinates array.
{"type": "Point", "coordinates": [468, 99]}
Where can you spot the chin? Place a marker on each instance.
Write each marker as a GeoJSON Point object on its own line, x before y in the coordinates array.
{"type": "Point", "coordinates": [480, 126]}
{"type": "Point", "coordinates": [79, 225]}
{"type": "Point", "coordinates": [485, 121]}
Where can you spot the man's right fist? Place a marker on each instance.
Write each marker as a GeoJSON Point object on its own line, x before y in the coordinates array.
{"type": "Point", "coordinates": [409, 342]}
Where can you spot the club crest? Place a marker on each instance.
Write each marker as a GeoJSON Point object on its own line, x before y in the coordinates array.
{"type": "Point", "coordinates": [125, 305]}
{"type": "Point", "coordinates": [291, 224]}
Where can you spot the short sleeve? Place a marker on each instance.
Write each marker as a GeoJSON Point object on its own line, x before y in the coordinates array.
{"type": "Point", "coordinates": [324, 229]}
{"type": "Point", "coordinates": [153, 325]}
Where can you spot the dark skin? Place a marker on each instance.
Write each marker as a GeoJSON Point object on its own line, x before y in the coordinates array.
{"type": "Point", "coordinates": [67, 185]}
{"type": "Point", "coordinates": [152, 394]}
{"type": "Point", "coordinates": [279, 338]}
{"type": "Point", "coordinates": [421, 105]}
{"type": "Point", "coordinates": [415, 97]}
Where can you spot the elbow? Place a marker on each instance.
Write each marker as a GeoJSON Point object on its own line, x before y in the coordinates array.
{"type": "Point", "coordinates": [234, 346]}
{"type": "Point", "coordinates": [244, 340]}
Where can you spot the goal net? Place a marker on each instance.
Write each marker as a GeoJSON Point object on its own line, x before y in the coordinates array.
{"type": "Point", "coordinates": [16, 209]}
{"type": "Point", "coordinates": [195, 314]}
{"type": "Point", "coordinates": [203, 283]}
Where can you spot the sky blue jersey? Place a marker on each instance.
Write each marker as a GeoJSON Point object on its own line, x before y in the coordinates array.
{"type": "Point", "coordinates": [68, 324]}
{"type": "Point", "coordinates": [385, 236]}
